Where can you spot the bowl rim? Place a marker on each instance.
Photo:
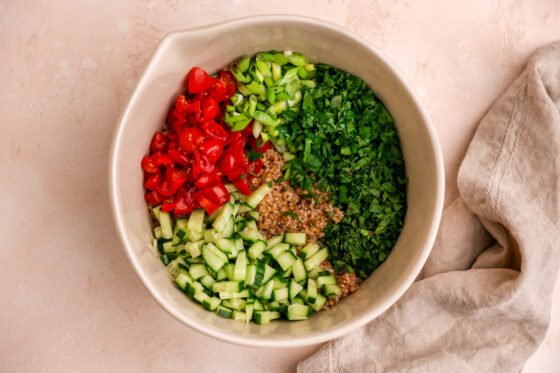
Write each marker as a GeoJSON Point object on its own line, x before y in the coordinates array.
{"type": "Point", "coordinates": [240, 339]}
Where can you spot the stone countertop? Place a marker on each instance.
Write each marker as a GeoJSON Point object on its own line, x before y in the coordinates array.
{"type": "Point", "coordinates": [70, 300]}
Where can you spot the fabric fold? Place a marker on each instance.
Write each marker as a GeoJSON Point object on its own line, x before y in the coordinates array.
{"type": "Point", "coordinates": [483, 300]}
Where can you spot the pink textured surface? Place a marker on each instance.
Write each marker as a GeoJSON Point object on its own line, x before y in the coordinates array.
{"type": "Point", "coordinates": [70, 300]}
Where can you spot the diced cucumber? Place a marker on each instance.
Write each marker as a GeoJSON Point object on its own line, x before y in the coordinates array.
{"type": "Point", "coordinates": [239, 316]}
{"type": "Point", "coordinates": [207, 281]}
{"type": "Point", "coordinates": [294, 289]}
{"type": "Point", "coordinates": [194, 287]}
{"type": "Point", "coordinates": [197, 271]}
{"type": "Point", "coordinates": [280, 282]}
{"type": "Point", "coordinates": [228, 268]}
{"type": "Point", "coordinates": [268, 273]}
{"type": "Point", "coordinates": [236, 303]}
{"type": "Point", "coordinates": [221, 275]}
{"type": "Point", "coordinates": [227, 245]}
{"type": "Point", "coordinates": [297, 239]}
{"type": "Point", "coordinates": [224, 312]}
{"type": "Point", "coordinates": [275, 240]}
{"type": "Point", "coordinates": [156, 211]}
{"type": "Point", "coordinates": [196, 260]}
{"type": "Point", "coordinates": [228, 230]}
{"type": "Point", "coordinates": [260, 270]}
{"type": "Point", "coordinates": [280, 294]}
{"type": "Point", "coordinates": [319, 303]}
{"type": "Point", "coordinates": [213, 257]}
{"type": "Point", "coordinates": [166, 225]}
{"type": "Point", "coordinates": [251, 235]}
{"type": "Point", "coordinates": [288, 273]}
{"type": "Point", "coordinates": [250, 274]}
{"type": "Point", "coordinates": [249, 312]}
{"type": "Point", "coordinates": [223, 217]}
{"type": "Point", "coordinates": [168, 247]}
{"type": "Point", "coordinates": [317, 258]}
{"type": "Point", "coordinates": [265, 291]}
{"type": "Point", "coordinates": [257, 305]}
{"type": "Point", "coordinates": [315, 272]}
{"type": "Point", "coordinates": [157, 232]}
{"type": "Point", "coordinates": [277, 250]}
{"type": "Point", "coordinates": [212, 235]}
{"type": "Point", "coordinates": [298, 270]}
{"type": "Point", "coordinates": [194, 236]}
{"type": "Point", "coordinates": [228, 286]}
{"type": "Point", "coordinates": [173, 267]}
{"type": "Point", "coordinates": [194, 248]}
{"type": "Point", "coordinates": [227, 295]}
{"type": "Point", "coordinates": [297, 300]}
{"type": "Point", "coordinates": [311, 291]}
{"type": "Point", "coordinates": [324, 280]}
{"type": "Point", "coordinates": [258, 195]}
{"type": "Point", "coordinates": [200, 297]}
{"type": "Point", "coordinates": [182, 280]}
{"type": "Point", "coordinates": [256, 250]}
{"type": "Point", "coordinates": [308, 250]}
{"type": "Point", "coordinates": [254, 214]}
{"type": "Point", "coordinates": [240, 270]}
{"type": "Point", "coordinates": [196, 221]}
{"type": "Point", "coordinates": [331, 290]}
{"type": "Point", "coordinates": [265, 317]}
{"type": "Point", "coordinates": [286, 259]}
{"type": "Point", "coordinates": [239, 244]}
{"type": "Point", "coordinates": [298, 312]}
{"type": "Point", "coordinates": [211, 303]}
{"type": "Point", "coordinates": [167, 258]}
{"type": "Point", "coordinates": [244, 208]}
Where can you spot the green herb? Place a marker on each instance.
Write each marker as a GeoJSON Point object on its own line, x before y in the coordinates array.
{"type": "Point", "coordinates": [345, 142]}
{"type": "Point", "coordinates": [291, 214]}
{"type": "Point", "coordinates": [253, 155]}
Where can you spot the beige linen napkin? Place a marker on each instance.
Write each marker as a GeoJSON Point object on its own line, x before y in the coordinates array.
{"type": "Point", "coordinates": [483, 303]}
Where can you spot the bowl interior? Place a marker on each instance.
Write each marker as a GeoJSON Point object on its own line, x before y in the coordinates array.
{"type": "Point", "coordinates": [215, 46]}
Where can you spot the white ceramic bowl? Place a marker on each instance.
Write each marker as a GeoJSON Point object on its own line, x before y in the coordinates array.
{"type": "Point", "coordinates": [215, 46]}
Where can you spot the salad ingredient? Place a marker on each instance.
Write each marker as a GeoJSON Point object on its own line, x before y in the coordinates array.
{"type": "Point", "coordinates": [223, 262]}
{"type": "Point", "coordinates": [344, 140]}
{"type": "Point", "coordinates": [289, 208]}
{"type": "Point", "coordinates": [267, 83]}
{"type": "Point", "coordinates": [192, 158]}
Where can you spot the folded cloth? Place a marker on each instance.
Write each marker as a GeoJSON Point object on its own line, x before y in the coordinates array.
{"type": "Point", "coordinates": [483, 301]}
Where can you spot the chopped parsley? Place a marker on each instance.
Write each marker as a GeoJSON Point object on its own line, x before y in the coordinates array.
{"type": "Point", "coordinates": [292, 214]}
{"type": "Point", "coordinates": [345, 143]}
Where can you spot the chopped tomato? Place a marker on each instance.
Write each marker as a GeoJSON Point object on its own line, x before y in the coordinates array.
{"type": "Point", "coordinates": [153, 181]}
{"type": "Point", "coordinates": [209, 109]}
{"type": "Point", "coordinates": [218, 90]}
{"type": "Point", "coordinates": [159, 142]}
{"type": "Point", "coordinates": [205, 203]}
{"type": "Point", "coordinates": [212, 148]}
{"type": "Point", "coordinates": [213, 129]}
{"type": "Point", "coordinates": [198, 80]}
{"type": "Point", "coordinates": [148, 165]}
{"type": "Point", "coordinates": [174, 179]}
{"type": "Point", "coordinates": [179, 157]}
{"type": "Point", "coordinates": [217, 193]}
{"type": "Point", "coordinates": [242, 186]}
{"type": "Point", "coordinates": [184, 201]}
{"type": "Point", "coordinates": [190, 139]}
{"type": "Point", "coordinates": [207, 180]}
{"type": "Point", "coordinates": [230, 82]}
{"type": "Point", "coordinates": [201, 165]}
{"type": "Point", "coordinates": [153, 198]}
{"type": "Point", "coordinates": [167, 206]}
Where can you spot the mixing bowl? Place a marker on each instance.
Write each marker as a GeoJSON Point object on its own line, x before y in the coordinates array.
{"type": "Point", "coordinates": [213, 47]}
